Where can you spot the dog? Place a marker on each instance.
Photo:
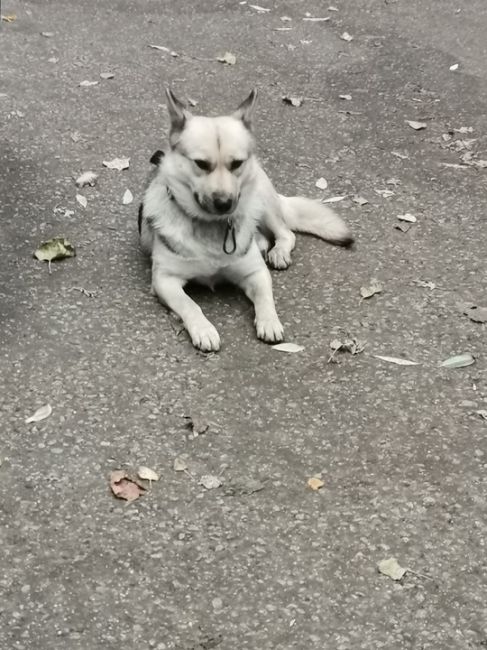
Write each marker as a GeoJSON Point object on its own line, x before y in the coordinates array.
{"type": "Point", "coordinates": [210, 213]}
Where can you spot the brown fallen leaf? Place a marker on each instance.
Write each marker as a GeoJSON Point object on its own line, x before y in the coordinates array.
{"type": "Point", "coordinates": [417, 126]}
{"type": "Point", "coordinates": [315, 483]}
{"type": "Point", "coordinates": [197, 424]}
{"type": "Point", "coordinates": [9, 18]}
{"type": "Point", "coordinates": [123, 487]}
{"type": "Point", "coordinates": [228, 58]}
{"type": "Point", "coordinates": [391, 568]}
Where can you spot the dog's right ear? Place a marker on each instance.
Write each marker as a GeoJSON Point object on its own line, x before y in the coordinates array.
{"type": "Point", "coordinates": [177, 113]}
{"type": "Point", "coordinates": [245, 110]}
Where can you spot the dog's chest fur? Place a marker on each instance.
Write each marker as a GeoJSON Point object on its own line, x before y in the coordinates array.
{"type": "Point", "coordinates": [174, 238]}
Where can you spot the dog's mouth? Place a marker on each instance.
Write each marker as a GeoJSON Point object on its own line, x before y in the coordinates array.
{"type": "Point", "coordinates": [219, 207]}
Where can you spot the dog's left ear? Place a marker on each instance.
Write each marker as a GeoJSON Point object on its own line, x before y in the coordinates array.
{"type": "Point", "coordinates": [178, 113]}
{"type": "Point", "coordinates": [245, 111]}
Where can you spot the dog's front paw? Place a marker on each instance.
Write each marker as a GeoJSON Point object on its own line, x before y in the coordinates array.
{"type": "Point", "coordinates": [278, 259]}
{"type": "Point", "coordinates": [270, 329]}
{"type": "Point", "coordinates": [205, 337]}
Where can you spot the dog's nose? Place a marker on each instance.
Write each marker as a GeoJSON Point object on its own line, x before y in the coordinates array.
{"type": "Point", "coordinates": [222, 203]}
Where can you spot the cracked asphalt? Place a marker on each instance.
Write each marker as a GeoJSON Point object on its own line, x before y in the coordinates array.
{"type": "Point", "coordinates": [262, 562]}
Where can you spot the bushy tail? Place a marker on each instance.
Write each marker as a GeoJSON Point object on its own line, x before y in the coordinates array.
{"type": "Point", "coordinates": [306, 215]}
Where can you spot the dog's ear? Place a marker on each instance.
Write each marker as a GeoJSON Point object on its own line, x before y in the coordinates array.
{"type": "Point", "coordinates": [177, 112]}
{"type": "Point", "coordinates": [245, 110]}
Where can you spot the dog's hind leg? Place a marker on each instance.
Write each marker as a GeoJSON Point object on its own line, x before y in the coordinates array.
{"type": "Point", "coordinates": [170, 291]}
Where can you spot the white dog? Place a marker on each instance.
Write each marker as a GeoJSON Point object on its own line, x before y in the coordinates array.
{"type": "Point", "coordinates": [210, 213]}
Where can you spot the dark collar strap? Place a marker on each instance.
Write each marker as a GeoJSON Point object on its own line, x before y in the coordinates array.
{"type": "Point", "coordinates": [230, 239]}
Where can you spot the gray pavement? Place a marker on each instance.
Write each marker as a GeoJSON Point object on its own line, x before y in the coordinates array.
{"type": "Point", "coordinates": [262, 562]}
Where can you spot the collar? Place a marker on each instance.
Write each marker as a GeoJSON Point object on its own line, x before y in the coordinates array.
{"type": "Point", "coordinates": [230, 238]}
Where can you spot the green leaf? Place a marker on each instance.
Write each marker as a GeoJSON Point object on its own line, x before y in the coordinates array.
{"type": "Point", "coordinates": [55, 249]}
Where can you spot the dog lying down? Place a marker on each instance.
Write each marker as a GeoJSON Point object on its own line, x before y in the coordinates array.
{"type": "Point", "coordinates": [210, 214]}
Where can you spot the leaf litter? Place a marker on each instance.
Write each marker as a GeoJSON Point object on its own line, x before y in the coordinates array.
{"type": "Point", "coordinates": [371, 289]}
{"type": "Point", "coordinates": [127, 197]}
{"type": "Point", "coordinates": [346, 344]}
{"type": "Point", "coordinates": [399, 361]}
{"type": "Point", "coordinates": [410, 218]}
{"type": "Point", "coordinates": [82, 200]}
{"type": "Point", "coordinates": [228, 58]}
{"type": "Point", "coordinates": [475, 313]}
{"type": "Point", "coordinates": [107, 75]}
{"type": "Point", "coordinates": [458, 361]}
{"type": "Point", "coordinates": [417, 126]}
{"type": "Point", "coordinates": [210, 482]}
{"type": "Point", "coordinates": [41, 414]}
{"type": "Point", "coordinates": [315, 483]}
{"type": "Point", "coordinates": [86, 83]}
{"type": "Point", "coordinates": [147, 474]}
{"type": "Point", "coordinates": [321, 183]}
{"type": "Point", "coordinates": [117, 163]}
{"type": "Point", "coordinates": [294, 100]}
{"type": "Point", "coordinates": [124, 486]}
{"type": "Point", "coordinates": [391, 568]}
{"type": "Point", "coordinates": [346, 37]}
{"type": "Point", "coordinates": [58, 248]}
{"type": "Point", "coordinates": [359, 200]}
{"type": "Point", "coordinates": [288, 347]}
{"type": "Point", "coordinates": [86, 178]}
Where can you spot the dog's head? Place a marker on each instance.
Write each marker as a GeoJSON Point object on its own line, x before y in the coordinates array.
{"type": "Point", "coordinates": [211, 157]}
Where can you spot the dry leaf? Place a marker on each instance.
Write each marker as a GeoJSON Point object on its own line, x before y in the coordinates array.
{"type": "Point", "coordinates": [321, 183]}
{"type": "Point", "coordinates": [123, 487]}
{"type": "Point", "coordinates": [464, 129]}
{"type": "Point", "coordinates": [315, 483]}
{"type": "Point", "coordinates": [261, 10]}
{"type": "Point", "coordinates": [294, 101]}
{"type": "Point", "coordinates": [403, 227]}
{"type": "Point", "coordinates": [159, 47]}
{"type": "Point", "coordinates": [127, 197]}
{"type": "Point", "coordinates": [107, 75]}
{"type": "Point", "coordinates": [410, 218]}
{"type": "Point", "coordinates": [210, 482]}
{"type": "Point", "coordinates": [391, 568]}
{"type": "Point", "coordinates": [374, 287]}
{"type": "Point", "coordinates": [55, 249]}
{"type": "Point", "coordinates": [454, 67]}
{"type": "Point", "coordinates": [147, 474]}
{"type": "Point", "coordinates": [384, 193]}
{"type": "Point", "coordinates": [197, 424]}
{"type": "Point", "coordinates": [348, 98]}
{"type": "Point", "coordinates": [417, 126]}
{"type": "Point", "coordinates": [399, 361]}
{"type": "Point", "coordinates": [288, 347]}
{"type": "Point", "coordinates": [352, 345]}
{"type": "Point", "coordinates": [87, 178]}
{"type": "Point", "coordinates": [180, 465]}
{"type": "Point", "coordinates": [458, 361]}
{"type": "Point", "coordinates": [41, 414]}
{"type": "Point", "coordinates": [333, 199]}
{"type": "Point", "coordinates": [475, 313]}
{"type": "Point", "coordinates": [228, 58]}
{"type": "Point", "coordinates": [117, 163]}
{"type": "Point", "coordinates": [346, 37]}
{"type": "Point", "coordinates": [47, 34]}
{"type": "Point", "coordinates": [9, 18]}
{"type": "Point", "coordinates": [359, 200]}
{"type": "Point", "coordinates": [86, 83]}
{"type": "Point", "coordinates": [317, 20]}
{"type": "Point", "coordinates": [401, 156]}
{"type": "Point", "coordinates": [82, 200]}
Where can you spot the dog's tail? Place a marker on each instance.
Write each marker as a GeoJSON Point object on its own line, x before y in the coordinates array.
{"type": "Point", "coordinates": [306, 215]}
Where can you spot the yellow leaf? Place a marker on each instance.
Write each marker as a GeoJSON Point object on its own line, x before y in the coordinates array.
{"type": "Point", "coordinates": [315, 483]}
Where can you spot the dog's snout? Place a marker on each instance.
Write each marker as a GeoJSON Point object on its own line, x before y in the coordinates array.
{"type": "Point", "coordinates": [222, 203]}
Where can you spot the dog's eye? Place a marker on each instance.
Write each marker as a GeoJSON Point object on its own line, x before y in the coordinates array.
{"type": "Point", "coordinates": [235, 164]}
{"type": "Point", "coordinates": [203, 164]}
